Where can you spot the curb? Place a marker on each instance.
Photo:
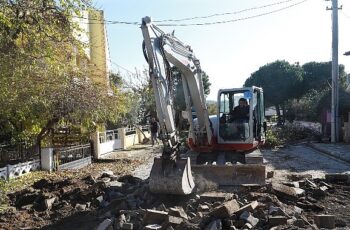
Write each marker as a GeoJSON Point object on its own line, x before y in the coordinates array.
{"type": "Point", "coordinates": [328, 152]}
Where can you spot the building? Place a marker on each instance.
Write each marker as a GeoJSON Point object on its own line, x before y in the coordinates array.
{"type": "Point", "coordinates": [92, 33]}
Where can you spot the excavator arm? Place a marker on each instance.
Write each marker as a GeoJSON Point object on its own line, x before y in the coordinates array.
{"type": "Point", "coordinates": [161, 51]}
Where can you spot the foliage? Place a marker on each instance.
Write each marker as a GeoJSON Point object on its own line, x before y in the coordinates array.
{"type": "Point", "coordinates": [280, 80]}
{"type": "Point", "coordinates": [289, 134]}
{"type": "Point", "coordinates": [297, 90]}
{"type": "Point", "coordinates": [140, 101]}
{"type": "Point", "coordinates": [318, 76]}
{"type": "Point", "coordinates": [306, 108]}
{"type": "Point", "coordinates": [344, 102]}
{"type": "Point", "coordinates": [179, 96]}
{"type": "Point", "coordinates": [206, 83]}
{"type": "Point", "coordinates": [40, 80]}
{"type": "Point", "coordinates": [212, 108]}
{"type": "Point", "coordinates": [272, 139]}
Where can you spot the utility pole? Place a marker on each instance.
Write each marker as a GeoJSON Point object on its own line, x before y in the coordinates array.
{"type": "Point", "coordinates": [335, 74]}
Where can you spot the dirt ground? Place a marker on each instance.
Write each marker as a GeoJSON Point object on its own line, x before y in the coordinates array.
{"type": "Point", "coordinates": [74, 194]}
{"type": "Point", "coordinates": [121, 163]}
{"type": "Point", "coordinates": [303, 160]}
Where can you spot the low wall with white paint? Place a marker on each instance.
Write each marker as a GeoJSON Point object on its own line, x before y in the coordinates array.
{"type": "Point", "coordinates": [17, 170]}
{"type": "Point", "coordinates": [122, 138]}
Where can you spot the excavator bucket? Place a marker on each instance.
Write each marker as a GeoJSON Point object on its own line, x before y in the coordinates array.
{"type": "Point", "coordinates": [171, 177]}
{"type": "Point", "coordinates": [224, 173]}
{"type": "Point", "coordinates": [231, 175]}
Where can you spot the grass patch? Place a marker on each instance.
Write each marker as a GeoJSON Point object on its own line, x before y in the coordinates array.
{"type": "Point", "coordinates": [17, 184]}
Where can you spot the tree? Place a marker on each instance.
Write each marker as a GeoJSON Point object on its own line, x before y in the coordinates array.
{"type": "Point", "coordinates": [140, 99]}
{"type": "Point", "coordinates": [280, 80]}
{"type": "Point", "coordinates": [40, 81]}
{"type": "Point", "coordinates": [316, 85]}
{"type": "Point", "coordinates": [212, 108]}
{"type": "Point", "coordinates": [178, 93]}
{"type": "Point", "coordinates": [318, 75]}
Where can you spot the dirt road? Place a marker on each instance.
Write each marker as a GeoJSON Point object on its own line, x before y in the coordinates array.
{"type": "Point", "coordinates": [301, 159]}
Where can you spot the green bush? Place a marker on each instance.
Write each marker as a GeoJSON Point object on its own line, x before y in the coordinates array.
{"type": "Point", "coordinates": [272, 139]}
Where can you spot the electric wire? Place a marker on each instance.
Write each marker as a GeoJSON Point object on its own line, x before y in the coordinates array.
{"type": "Point", "coordinates": [233, 20]}
{"type": "Point", "coordinates": [224, 14]}
{"type": "Point", "coordinates": [345, 15]}
{"type": "Point", "coordinates": [113, 22]}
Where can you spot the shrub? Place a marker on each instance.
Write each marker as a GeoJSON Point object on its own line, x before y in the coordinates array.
{"type": "Point", "coordinates": [289, 134]}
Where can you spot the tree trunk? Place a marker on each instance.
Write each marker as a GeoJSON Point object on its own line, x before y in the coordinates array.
{"type": "Point", "coordinates": [44, 132]}
{"type": "Point", "coordinates": [145, 139]}
{"type": "Point", "coordinates": [284, 113]}
{"type": "Point", "coordinates": [278, 112]}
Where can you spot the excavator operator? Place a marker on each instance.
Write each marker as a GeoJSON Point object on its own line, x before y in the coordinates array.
{"type": "Point", "coordinates": [241, 112]}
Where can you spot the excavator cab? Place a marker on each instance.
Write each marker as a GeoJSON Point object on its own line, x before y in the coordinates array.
{"type": "Point", "coordinates": [241, 116]}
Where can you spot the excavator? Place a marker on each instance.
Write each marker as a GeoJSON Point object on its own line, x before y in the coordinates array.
{"type": "Point", "coordinates": [223, 147]}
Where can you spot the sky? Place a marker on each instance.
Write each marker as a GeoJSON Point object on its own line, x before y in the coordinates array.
{"type": "Point", "coordinates": [230, 52]}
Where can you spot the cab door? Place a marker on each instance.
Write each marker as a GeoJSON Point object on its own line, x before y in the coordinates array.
{"type": "Point", "coordinates": [259, 124]}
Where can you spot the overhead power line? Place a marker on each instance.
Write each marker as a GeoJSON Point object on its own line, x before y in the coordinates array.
{"type": "Point", "coordinates": [121, 67]}
{"type": "Point", "coordinates": [347, 16]}
{"type": "Point", "coordinates": [235, 20]}
{"type": "Point", "coordinates": [223, 14]}
{"type": "Point", "coordinates": [208, 16]}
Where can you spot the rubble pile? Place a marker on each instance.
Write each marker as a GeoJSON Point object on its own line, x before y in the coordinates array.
{"type": "Point", "coordinates": [113, 202]}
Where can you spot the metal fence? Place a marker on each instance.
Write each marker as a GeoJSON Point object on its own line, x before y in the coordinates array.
{"type": "Point", "coordinates": [72, 157]}
{"type": "Point", "coordinates": [13, 154]}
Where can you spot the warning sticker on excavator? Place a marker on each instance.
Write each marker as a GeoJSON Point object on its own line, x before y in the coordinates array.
{"type": "Point", "coordinates": [247, 95]}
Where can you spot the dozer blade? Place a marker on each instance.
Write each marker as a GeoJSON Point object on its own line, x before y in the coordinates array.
{"type": "Point", "coordinates": [173, 178]}
{"type": "Point", "coordinates": [231, 175]}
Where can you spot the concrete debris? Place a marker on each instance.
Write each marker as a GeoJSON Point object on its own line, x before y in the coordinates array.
{"type": "Point", "coordinates": [107, 173]}
{"type": "Point", "coordinates": [80, 207]}
{"type": "Point", "coordinates": [178, 212]}
{"type": "Point", "coordinates": [270, 174]}
{"type": "Point", "coordinates": [154, 217]}
{"type": "Point", "coordinates": [248, 217]}
{"type": "Point", "coordinates": [203, 207]}
{"type": "Point", "coordinates": [337, 177]}
{"type": "Point", "coordinates": [325, 221]}
{"type": "Point", "coordinates": [104, 225]}
{"type": "Point", "coordinates": [127, 203]}
{"type": "Point", "coordinates": [172, 221]}
{"type": "Point", "coordinates": [249, 207]}
{"type": "Point", "coordinates": [214, 225]}
{"type": "Point", "coordinates": [287, 192]}
{"type": "Point", "coordinates": [215, 196]}
{"type": "Point", "coordinates": [225, 210]}
{"type": "Point", "coordinates": [127, 226]}
{"type": "Point", "coordinates": [153, 227]}
{"type": "Point", "coordinates": [247, 226]}
{"type": "Point", "coordinates": [277, 220]}
{"type": "Point", "coordinates": [49, 202]}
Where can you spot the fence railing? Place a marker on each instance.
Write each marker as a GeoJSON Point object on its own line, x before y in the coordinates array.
{"type": "Point", "coordinates": [12, 154]}
{"type": "Point", "coordinates": [109, 135]}
{"type": "Point", "coordinates": [130, 130]}
{"type": "Point", "coordinates": [66, 155]}
{"type": "Point", "coordinates": [145, 128]}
